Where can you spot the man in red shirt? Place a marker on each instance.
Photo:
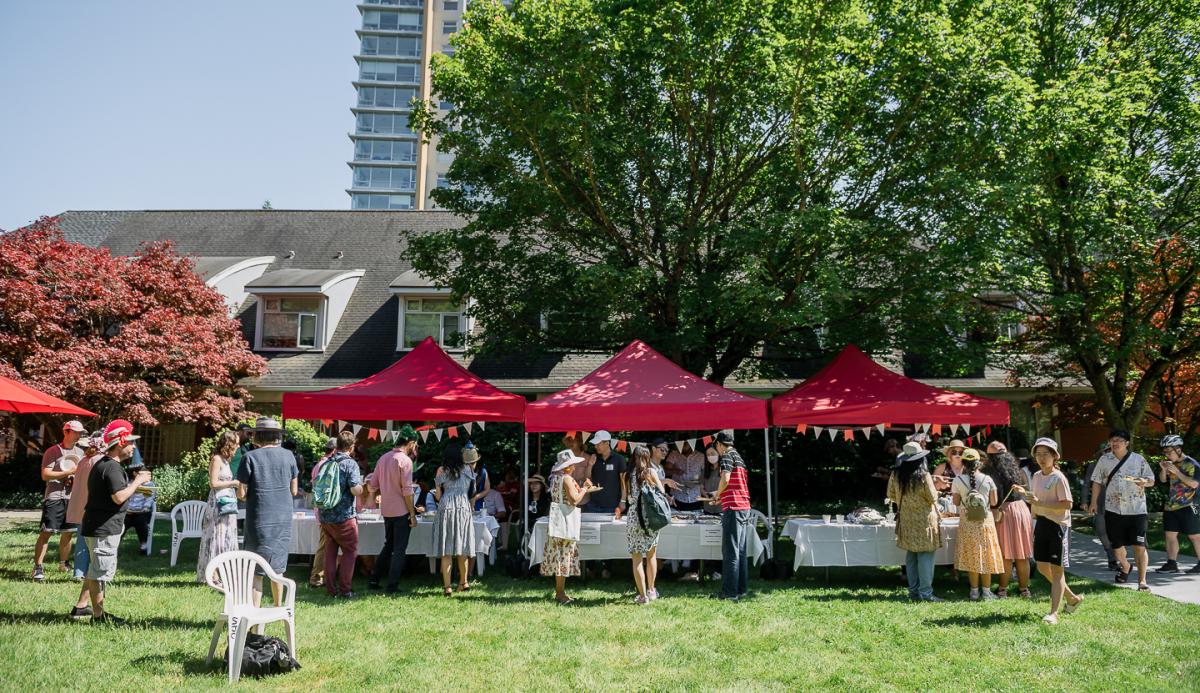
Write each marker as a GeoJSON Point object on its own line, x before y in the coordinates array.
{"type": "Point", "coordinates": [734, 493]}
{"type": "Point", "coordinates": [393, 481]}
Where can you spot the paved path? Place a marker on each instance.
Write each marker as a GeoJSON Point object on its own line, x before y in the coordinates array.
{"type": "Point", "coordinates": [1088, 560]}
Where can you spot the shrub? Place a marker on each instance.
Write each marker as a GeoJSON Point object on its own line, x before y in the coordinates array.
{"type": "Point", "coordinates": [177, 483]}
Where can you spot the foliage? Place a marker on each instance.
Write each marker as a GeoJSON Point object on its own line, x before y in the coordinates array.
{"type": "Point", "coordinates": [141, 337]}
{"type": "Point", "coordinates": [177, 483]}
{"type": "Point", "coordinates": [723, 179]}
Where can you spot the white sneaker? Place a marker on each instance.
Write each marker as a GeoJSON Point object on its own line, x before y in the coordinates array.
{"type": "Point", "coordinates": [988, 595]}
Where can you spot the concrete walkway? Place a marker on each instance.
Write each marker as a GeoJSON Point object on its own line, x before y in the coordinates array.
{"type": "Point", "coordinates": [1088, 560]}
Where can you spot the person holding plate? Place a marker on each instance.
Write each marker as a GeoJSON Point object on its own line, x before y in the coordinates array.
{"type": "Point", "coordinates": [1123, 477]}
{"type": "Point", "coordinates": [1050, 501]}
{"type": "Point", "coordinates": [560, 558]}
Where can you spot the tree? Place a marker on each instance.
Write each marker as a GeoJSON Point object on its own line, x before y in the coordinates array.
{"type": "Point", "coordinates": [721, 178]}
{"type": "Point", "coordinates": [142, 337]}
{"type": "Point", "coordinates": [1090, 216]}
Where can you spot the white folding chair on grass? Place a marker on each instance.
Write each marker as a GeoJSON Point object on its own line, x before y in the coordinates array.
{"type": "Point", "coordinates": [187, 521]}
{"type": "Point", "coordinates": [232, 573]}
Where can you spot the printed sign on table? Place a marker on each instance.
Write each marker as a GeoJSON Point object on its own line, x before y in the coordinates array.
{"type": "Point", "coordinates": [589, 533]}
{"type": "Point", "coordinates": [710, 535]}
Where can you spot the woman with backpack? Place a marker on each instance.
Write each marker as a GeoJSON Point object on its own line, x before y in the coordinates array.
{"type": "Point", "coordinates": [978, 551]}
{"type": "Point", "coordinates": [918, 526]}
{"type": "Point", "coordinates": [454, 527]}
{"type": "Point", "coordinates": [640, 539]}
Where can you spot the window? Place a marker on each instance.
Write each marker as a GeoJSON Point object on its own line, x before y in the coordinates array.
{"type": "Point", "coordinates": [290, 323]}
{"type": "Point", "coordinates": [362, 201]}
{"type": "Point", "coordinates": [382, 124]}
{"type": "Point", "coordinates": [439, 318]}
{"type": "Point", "coordinates": [385, 97]}
{"type": "Point", "coordinates": [394, 3]}
{"type": "Point", "coordinates": [385, 178]}
{"type": "Point", "coordinates": [372, 71]}
{"type": "Point", "coordinates": [391, 45]}
{"type": "Point", "coordinates": [442, 182]}
{"type": "Point", "coordinates": [449, 26]}
{"type": "Point", "coordinates": [385, 150]}
{"type": "Point", "coordinates": [445, 105]}
{"type": "Point", "coordinates": [450, 5]}
{"type": "Point", "coordinates": [392, 21]}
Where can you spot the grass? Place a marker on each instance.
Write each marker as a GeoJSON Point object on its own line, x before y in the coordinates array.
{"type": "Point", "coordinates": [854, 632]}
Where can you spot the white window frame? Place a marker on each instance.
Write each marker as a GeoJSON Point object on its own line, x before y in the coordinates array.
{"type": "Point", "coordinates": [404, 295]}
{"type": "Point", "coordinates": [319, 317]}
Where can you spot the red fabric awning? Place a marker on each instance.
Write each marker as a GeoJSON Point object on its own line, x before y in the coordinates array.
{"type": "Point", "coordinates": [18, 397]}
{"type": "Point", "coordinates": [642, 390]}
{"type": "Point", "coordinates": [853, 390]}
{"type": "Point", "coordinates": [425, 385]}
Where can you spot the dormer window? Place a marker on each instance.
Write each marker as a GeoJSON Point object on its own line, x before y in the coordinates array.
{"type": "Point", "coordinates": [290, 322]}
{"type": "Point", "coordinates": [298, 309]}
{"type": "Point", "coordinates": [428, 311]}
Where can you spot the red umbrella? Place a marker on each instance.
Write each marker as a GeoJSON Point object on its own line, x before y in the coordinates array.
{"type": "Point", "coordinates": [22, 399]}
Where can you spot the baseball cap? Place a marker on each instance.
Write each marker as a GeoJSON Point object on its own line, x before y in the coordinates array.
{"type": "Point", "coordinates": [723, 437]}
{"type": "Point", "coordinates": [601, 436]}
{"type": "Point", "coordinates": [74, 425]}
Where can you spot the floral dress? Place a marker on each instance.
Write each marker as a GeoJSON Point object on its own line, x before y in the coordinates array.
{"type": "Point", "coordinates": [637, 540]}
{"type": "Point", "coordinates": [219, 532]}
{"type": "Point", "coordinates": [561, 556]}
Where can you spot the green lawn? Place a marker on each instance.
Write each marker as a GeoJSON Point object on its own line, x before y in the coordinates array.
{"type": "Point", "coordinates": [855, 632]}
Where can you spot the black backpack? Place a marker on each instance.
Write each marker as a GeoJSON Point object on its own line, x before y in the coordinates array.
{"type": "Point", "coordinates": [264, 656]}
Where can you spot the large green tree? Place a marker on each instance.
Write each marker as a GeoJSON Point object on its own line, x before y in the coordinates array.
{"type": "Point", "coordinates": [723, 178]}
{"type": "Point", "coordinates": [1090, 216]}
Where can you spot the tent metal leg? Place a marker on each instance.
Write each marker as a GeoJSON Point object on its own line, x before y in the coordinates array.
{"type": "Point", "coordinates": [770, 503]}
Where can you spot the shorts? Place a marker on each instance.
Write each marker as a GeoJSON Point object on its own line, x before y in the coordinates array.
{"type": "Point", "coordinates": [81, 558]}
{"type": "Point", "coordinates": [54, 516]}
{"type": "Point", "coordinates": [1125, 530]}
{"type": "Point", "coordinates": [1051, 542]}
{"type": "Point", "coordinates": [102, 557]}
{"type": "Point", "coordinates": [1185, 521]}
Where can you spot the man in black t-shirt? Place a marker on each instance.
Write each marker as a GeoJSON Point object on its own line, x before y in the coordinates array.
{"type": "Point", "coordinates": [609, 473]}
{"type": "Point", "coordinates": [109, 489]}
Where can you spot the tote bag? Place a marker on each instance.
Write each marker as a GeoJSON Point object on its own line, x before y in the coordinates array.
{"type": "Point", "coordinates": [564, 519]}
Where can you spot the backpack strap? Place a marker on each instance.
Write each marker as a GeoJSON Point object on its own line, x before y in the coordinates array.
{"type": "Point", "coordinates": [1128, 454]}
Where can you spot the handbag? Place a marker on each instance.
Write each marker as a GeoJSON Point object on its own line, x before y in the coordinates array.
{"type": "Point", "coordinates": [564, 519]}
{"type": "Point", "coordinates": [998, 511]}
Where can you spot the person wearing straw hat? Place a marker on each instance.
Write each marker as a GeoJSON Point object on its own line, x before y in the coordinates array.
{"type": "Point", "coordinates": [268, 480]}
{"type": "Point", "coordinates": [918, 525]}
{"type": "Point", "coordinates": [977, 548]}
{"type": "Point", "coordinates": [949, 470]}
{"type": "Point", "coordinates": [109, 490]}
{"type": "Point", "coordinates": [1050, 500]}
{"type": "Point", "coordinates": [560, 558]}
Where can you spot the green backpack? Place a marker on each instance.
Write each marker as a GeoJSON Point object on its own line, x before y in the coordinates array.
{"type": "Point", "coordinates": [327, 490]}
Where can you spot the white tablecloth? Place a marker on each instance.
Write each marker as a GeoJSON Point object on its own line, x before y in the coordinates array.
{"type": "Point", "coordinates": [306, 534]}
{"type": "Point", "coordinates": [820, 544]}
{"type": "Point", "coordinates": [677, 541]}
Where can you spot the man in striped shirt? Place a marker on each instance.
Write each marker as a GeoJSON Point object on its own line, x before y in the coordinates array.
{"type": "Point", "coordinates": [734, 493]}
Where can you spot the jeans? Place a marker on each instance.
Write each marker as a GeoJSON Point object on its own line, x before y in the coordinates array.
{"type": "Point", "coordinates": [339, 570]}
{"type": "Point", "coordinates": [920, 574]}
{"type": "Point", "coordinates": [82, 557]}
{"type": "Point", "coordinates": [735, 564]}
{"type": "Point", "coordinates": [395, 550]}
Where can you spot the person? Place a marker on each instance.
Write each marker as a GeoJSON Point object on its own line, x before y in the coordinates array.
{"type": "Point", "coordinates": [510, 499]}
{"type": "Point", "coordinates": [316, 575]}
{"type": "Point", "coordinates": [1026, 463]}
{"type": "Point", "coordinates": [245, 434]}
{"type": "Point", "coordinates": [140, 507]}
{"type": "Point", "coordinates": [891, 456]}
{"type": "Point", "coordinates": [583, 471]}
{"type": "Point", "coordinates": [218, 532]}
{"type": "Point", "coordinates": [339, 523]}
{"type": "Point", "coordinates": [560, 557]}
{"type": "Point", "coordinates": [608, 475]}
{"type": "Point", "coordinates": [454, 527]}
{"type": "Point", "coordinates": [918, 524]}
{"type": "Point", "coordinates": [92, 446]}
{"type": "Point", "coordinates": [268, 479]}
{"type": "Point", "coordinates": [392, 480]}
{"type": "Point", "coordinates": [1181, 513]}
{"type": "Point", "coordinates": [711, 481]}
{"type": "Point", "coordinates": [58, 466]}
{"type": "Point", "coordinates": [539, 499]}
{"type": "Point", "coordinates": [689, 467]}
{"type": "Point", "coordinates": [734, 492]}
{"type": "Point", "coordinates": [642, 541]}
{"type": "Point", "coordinates": [481, 484]}
{"type": "Point", "coordinates": [424, 498]}
{"type": "Point", "coordinates": [978, 549]}
{"type": "Point", "coordinates": [109, 489]}
{"type": "Point", "coordinates": [1015, 528]}
{"type": "Point", "coordinates": [946, 472]}
{"type": "Point", "coordinates": [1098, 517]}
{"type": "Point", "coordinates": [1050, 499]}
{"type": "Point", "coordinates": [1123, 477]}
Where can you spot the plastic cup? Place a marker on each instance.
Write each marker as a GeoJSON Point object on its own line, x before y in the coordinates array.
{"type": "Point", "coordinates": [825, 518]}
{"type": "Point", "coordinates": [841, 519]}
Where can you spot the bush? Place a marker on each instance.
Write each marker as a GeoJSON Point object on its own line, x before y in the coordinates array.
{"type": "Point", "coordinates": [177, 483]}
{"type": "Point", "coordinates": [21, 500]}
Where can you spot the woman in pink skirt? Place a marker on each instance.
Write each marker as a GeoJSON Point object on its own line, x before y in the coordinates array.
{"type": "Point", "coordinates": [1015, 528]}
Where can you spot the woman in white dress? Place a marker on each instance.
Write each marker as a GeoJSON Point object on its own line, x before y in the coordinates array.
{"type": "Point", "coordinates": [219, 530]}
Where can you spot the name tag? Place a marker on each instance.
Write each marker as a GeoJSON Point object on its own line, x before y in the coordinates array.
{"type": "Point", "coordinates": [609, 467]}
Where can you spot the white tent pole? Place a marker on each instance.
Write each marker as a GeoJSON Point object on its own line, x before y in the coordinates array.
{"type": "Point", "coordinates": [770, 503]}
{"type": "Point", "coordinates": [525, 479]}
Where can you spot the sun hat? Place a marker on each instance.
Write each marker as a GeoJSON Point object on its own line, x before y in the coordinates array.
{"type": "Point", "coordinates": [912, 450]}
{"type": "Point", "coordinates": [566, 458]}
{"type": "Point", "coordinates": [956, 443]}
{"type": "Point", "coordinates": [538, 478]}
{"type": "Point", "coordinates": [469, 454]}
{"type": "Point", "coordinates": [120, 432]}
{"type": "Point", "coordinates": [1046, 443]}
{"type": "Point", "coordinates": [971, 455]}
{"type": "Point", "coordinates": [601, 436]}
{"type": "Point", "coordinates": [267, 423]}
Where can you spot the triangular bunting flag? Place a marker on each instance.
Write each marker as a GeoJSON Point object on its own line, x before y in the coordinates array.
{"type": "Point", "coordinates": [818, 430]}
{"type": "Point", "coordinates": [327, 422]}
{"type": "Point", "coordinates": [622, 446]}
{"type": "Point", "coordinates": [848, 434]}
{"type": "Point", "coordinates": [437, 433]}
{"type": "Point", "coordinates": [571, 434]}
{"type": "Point", "coordinates": [801, 428]}
{"type": "Point", "coordinates": [679, 445]}
{"type": "Point", "coordinates": [468, 426]}
{"type": "Point", "coordinates": [424, 435]}
{"type": "Point", "coordinates": [880, 428]}
{"type": "Point", "coordinates": [953, 430]}
{"type": "Point", "coordinates": [452, 431]}
{"type": "Point", "coordinates": [867, 432]}
{"type": "Point", "coordinates": [966, 429]}
{"type": "Point", "coordinates": [340, 424]}
{"type": "Point", "coordinates": [833, 433]}
{"type": "Point", "coordinates": [356, 428]}
{"type": "Point", "coordinates": [987, 431]}
{"type": "Point", "coordinates": [395, 436]}
{"type": "Point", "coordinates": [706, 440]}
{"type": "Point", "coordinates": [372, 434]}
{"type": "Point", "coordinates": [691, 443]}
{"type": "Point", "coordinates": [482, 425]}
{"type": "Point", "coordinates": [937, 429]}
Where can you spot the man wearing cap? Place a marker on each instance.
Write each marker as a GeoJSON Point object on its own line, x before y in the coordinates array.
{"type": "Point", "coordinates": [609, 474]}
{"type": "Point", "coordinates": [392, 480]}
{"type": "Point", "coordinates": [58, 466]}
{"type": "Point", "coordinates": [1181, 514]}
{"type": "Point", "coordinates": [734, 492]}
{"type": "Point", "coordinates": [1123, 477]}
{"type": "Point", "coordinates": [109, 490]}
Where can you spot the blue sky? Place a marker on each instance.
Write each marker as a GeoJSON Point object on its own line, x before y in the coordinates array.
{"type": "Point", "coordinates": [132, 104]}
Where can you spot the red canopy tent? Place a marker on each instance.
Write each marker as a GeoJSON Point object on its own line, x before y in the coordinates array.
{"type": "Point", "coordinates": [853, 390]}
{"type": "Point", "coordinates": [20, 398]}
{"type": "Point", "coordinates": [639, 389]}
{"type": "Point", "coordinates": [425, 385]}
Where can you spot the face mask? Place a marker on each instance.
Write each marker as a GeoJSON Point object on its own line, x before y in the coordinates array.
{"type": "Point", "coordinates": [713, 459]}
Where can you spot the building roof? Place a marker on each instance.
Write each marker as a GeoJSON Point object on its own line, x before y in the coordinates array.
{"type": "Point", "coordinates": [317, 280]}
{"type": "Point", "coordinates": [212, 266]}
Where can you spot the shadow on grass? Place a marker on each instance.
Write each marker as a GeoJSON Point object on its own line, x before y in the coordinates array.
{"type": "Point", "coordinates": [983, 620]}
{"type": "Point", "coordinates": [181, 662]}
{"type": "Point", "coordinates": [44, 618]}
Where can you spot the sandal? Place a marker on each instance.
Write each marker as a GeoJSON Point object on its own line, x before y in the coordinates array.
{"type": "Point", "coordinates": [464, 588]}
{"type": "Point", "coordinates": [1070, 608]}
{"type": "Point", "coordinates": [1025, 594]}
{"type": "Point", "coordinates": [1002, 593]}
{"type": "Point", "coordinates": [564, 601]}
{"type": "Point", "coordinates": [1143, 587]}
{"type": "Point", "coordinates": [1121, 578]}
{"type": "Point", "coordinates": [448, 592]}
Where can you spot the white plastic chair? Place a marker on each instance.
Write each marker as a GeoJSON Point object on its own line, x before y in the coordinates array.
{"type": "Point", "coordinates": [758, 516]}
{"type": "Point", "coordinates": [232, 573]}
{"type": "Point", "coordinates": [150, 532]}
{"type": "Point", "coordinates": [191, 515]}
